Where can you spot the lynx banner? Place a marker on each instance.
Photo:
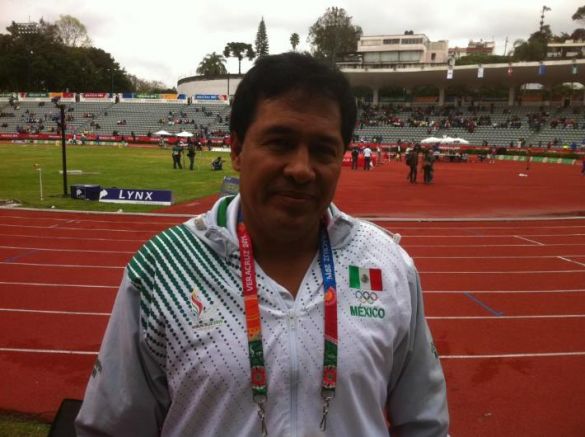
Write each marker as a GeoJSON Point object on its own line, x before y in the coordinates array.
{"type": "Point", "coordinates": [146, 197]}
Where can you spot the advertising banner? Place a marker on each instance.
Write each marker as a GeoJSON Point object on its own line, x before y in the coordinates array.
{"type": "Point", "coordinates": [168, 96]}
{"type": "Point", "coordinates": [206, 97]}
{"type": "Point", "coordinates": [147, 96]}
{"type": "Point", "coordinates": [137, 196]}
{"type": "Point", "coordinates": [95, 95]}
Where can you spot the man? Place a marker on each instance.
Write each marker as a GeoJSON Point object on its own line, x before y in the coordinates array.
{"type": "Point", "coordinates": [412, 162]}
{"type": "Point", "coordinates": [367, 157]}
{"type": "Point", "coordinates": [176, 154]}
{"type": "Point", "coordinates": [191, 153]}
{"type": "Point", "coordinates": [355, 153]}
{"type": "Point", "coordinates": [274, 313]}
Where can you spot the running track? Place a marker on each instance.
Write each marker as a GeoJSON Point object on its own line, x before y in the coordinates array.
{"type": "Point", "coordinates": [505, 299]}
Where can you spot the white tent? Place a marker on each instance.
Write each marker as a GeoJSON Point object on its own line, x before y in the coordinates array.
{"type": "Point", "coordinates": [431, 140]}
{"type": "Point", "coordinates": [162, 133]}
{"type": "Point", "coordinates": [444, 140]}
{"type": "Point", "coordinates": [184, 134]}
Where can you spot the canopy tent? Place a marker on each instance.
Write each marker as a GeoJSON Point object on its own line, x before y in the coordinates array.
{"type": "Point", "coordinates": [431, 140]}
{"type": "Point", "coordinates": [162, 133]}
{"type": "Point", "coordinates": [184, 134]}
{"type": "Point", "coordinates": [444, 140]}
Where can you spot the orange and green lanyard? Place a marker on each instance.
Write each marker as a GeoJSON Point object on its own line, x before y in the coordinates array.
{"type": "Point", "coordinates": [254, 326]}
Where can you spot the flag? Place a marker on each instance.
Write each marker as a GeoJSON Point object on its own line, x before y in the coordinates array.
{"type": "Point", "coordinates": [366, 279]}
{"type": "Point", "coordinates": [450, 73]}
{"type": "Point", "coordinates": [480, 72]}
{"type": "Point", "coordinates": [541, 69]}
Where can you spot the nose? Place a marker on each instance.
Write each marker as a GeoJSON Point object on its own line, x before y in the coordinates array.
{"type": "Point", "coordinates": [299, 166]}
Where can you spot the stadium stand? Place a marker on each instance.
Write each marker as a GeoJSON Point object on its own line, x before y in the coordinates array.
{"type": "Point", "coordinates": [496, 125]}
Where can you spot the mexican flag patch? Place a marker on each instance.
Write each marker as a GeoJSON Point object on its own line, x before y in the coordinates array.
{"type": "Point", "coordinates": [366, 279]}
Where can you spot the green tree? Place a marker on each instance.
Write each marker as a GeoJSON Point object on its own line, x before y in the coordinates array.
{"type": "Point", "coordinates": [261, 44]}
{"type": "Point", "coordinates": [481, 58]}
{"type": "Point", "coordinates": [212, 64]}
{"type": "Point", "coordinates": [294, 41]}
{"type": "Point", "coordinates": [535, 48]}
{"type": "Point", "coordinates": [579, 15]}
{"type": "Point", "coordinates": [333, 35]}
{"type": "Point", "coordinates": [72, 32]}
{"type": "Point", "coordinates": [34, 58]}
{"type": "Point", "coordinates": [239, 50]}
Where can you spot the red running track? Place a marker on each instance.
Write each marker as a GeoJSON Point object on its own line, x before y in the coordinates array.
{"type": "Point", "coordinates": [505, 301]}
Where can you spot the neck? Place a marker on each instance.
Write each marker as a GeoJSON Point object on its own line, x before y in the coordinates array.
{"type": "Point", "coordinates": [283, 247]}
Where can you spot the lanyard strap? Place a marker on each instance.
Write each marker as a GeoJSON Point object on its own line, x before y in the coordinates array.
{"type": "Point", "coordinates": [254, 327]}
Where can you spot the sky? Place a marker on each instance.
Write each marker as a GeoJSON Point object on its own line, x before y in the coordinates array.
{"type": "Point", "coordinates": [166, 40]}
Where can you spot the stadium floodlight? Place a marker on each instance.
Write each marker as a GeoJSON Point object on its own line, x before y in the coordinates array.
{"type": "Point", "coordinates": [62, 126]}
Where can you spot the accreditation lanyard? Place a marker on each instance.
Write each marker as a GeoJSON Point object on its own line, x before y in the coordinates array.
{"type": "Point", "coordinates": [254, 327]}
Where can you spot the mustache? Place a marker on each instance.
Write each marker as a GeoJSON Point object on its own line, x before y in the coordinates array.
{"type": "Point", "coordinates": [299, 191]}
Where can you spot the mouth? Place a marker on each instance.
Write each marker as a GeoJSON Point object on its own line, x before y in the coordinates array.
{"type": "Point", "coordinates": [293, 198]}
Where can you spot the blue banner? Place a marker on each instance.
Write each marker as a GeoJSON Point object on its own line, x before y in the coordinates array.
{"type": "Point", "coordinates": [206, 97]}
{"type": "Point", "coordinates": [146, 197]}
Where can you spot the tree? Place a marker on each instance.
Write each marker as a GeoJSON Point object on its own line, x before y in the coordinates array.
{"type": "Point", "coordinates": [535, 48]}
{"type": "Point", "coordinates": [579, 15]}
{"type": "Point", "coordinates": [333, 35]}
{"type": "Point", "coordinates": [261, 44]}
{"type": "Point", "coordinates": [294, 41]}
{"type": "Point", "coordinates": [72, 31]}
{"type": "Point", "coordinates": [236, 50]}
{"type": "Point", "coordinates": [212, 64]}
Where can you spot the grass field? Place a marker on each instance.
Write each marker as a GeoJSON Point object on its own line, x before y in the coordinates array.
{"type": "Point", "coordinates": [121, 167]}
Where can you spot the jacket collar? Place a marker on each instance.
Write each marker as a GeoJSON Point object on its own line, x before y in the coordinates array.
{"type": "Point", "coordinates": [217, 227]}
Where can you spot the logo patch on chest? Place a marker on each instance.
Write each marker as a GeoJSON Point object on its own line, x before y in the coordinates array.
{"type": "Point", "coordinates": [206, 316]}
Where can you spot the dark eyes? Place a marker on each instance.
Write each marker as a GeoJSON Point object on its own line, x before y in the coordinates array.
{"type": "Point", "coordinates": [320, 150]}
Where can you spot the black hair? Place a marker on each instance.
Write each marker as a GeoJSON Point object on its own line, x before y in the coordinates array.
{"type": "Point", "coordinates": [275, 75]}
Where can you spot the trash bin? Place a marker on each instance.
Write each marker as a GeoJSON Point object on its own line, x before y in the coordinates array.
{"type": "Point", "coordinates": [85, 192]}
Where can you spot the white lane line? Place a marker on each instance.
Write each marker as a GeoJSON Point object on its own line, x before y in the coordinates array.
{"type": "Point", "coordinates": [443, 357]}
{"type": "Point", "coordinates": [574, 290]}
{"type": "Point", "coordinates": [466, 219]}
{"type": "Point", "coordinates": [73, 313]}
{"type": "Point", "coordinates": [41, 237]}
{"type": "Point", "coordinates": [60, 265]}
{"type": "Point", "coordinates": [46, 351]}
{"type": "Point", "coordinates": [544, 316]}
{"type": "Point", "coordinates": [493, 245]}
{"type": "Point", "coordinates": [528, 355]}
{"type": "Point", "coordinates": [59, 227]}
{"type": "Point", "coordinates": [529, 240]}
{"type": "Point", "coordinates": [77, 250]}
{"type": "Point", "coordinates": [504, 272]}
{"type": "Point", "coordinates": [571, 260]}
{"type": "Point", "coordinates": [41, 284]}
{"type": "Point", "coordinates": [489, 236]}
{"type": "Point", "coordinates": [494, 257]}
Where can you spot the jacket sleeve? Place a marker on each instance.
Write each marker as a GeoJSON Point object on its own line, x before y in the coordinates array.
{"type": "Point", "coordinates": [417, 404]}
{"type": "Point", "coordinates": [127, 393]}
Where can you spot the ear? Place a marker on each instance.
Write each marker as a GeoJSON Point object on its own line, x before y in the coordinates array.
{"type": "Point", "coordinates": [235, 151]}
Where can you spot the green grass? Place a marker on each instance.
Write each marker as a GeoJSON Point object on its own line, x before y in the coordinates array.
{"type": "Point", "coordinates": [12, 425]}
{"type": "Point", "coordinates": [122, 167]}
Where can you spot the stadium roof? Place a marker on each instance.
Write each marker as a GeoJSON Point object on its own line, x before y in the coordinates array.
{"type": "Point", "coordinates": [514, 74]}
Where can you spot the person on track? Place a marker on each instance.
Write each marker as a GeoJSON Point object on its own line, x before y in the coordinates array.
{"type": "Point", "coordinates": [274, 313]}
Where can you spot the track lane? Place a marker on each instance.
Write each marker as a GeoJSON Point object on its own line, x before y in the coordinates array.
{"type": "Point", "coordinates": [516, 396]}
{"type": "Point", "coordinates": [508, 336]}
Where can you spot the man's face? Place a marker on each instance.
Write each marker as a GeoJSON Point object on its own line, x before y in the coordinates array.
{"type": "Point", "coordinates": [289, 164]}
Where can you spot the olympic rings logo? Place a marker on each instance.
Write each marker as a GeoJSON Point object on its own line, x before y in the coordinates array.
{"type": "Point", "coordinates": [366, 296]}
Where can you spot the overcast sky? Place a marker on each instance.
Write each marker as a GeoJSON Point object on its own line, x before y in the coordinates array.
{"type": "Point", "coordinates": [166, 40]}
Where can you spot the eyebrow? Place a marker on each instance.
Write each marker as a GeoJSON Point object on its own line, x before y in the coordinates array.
{"type": "Point", "coordinates": [285, 130]}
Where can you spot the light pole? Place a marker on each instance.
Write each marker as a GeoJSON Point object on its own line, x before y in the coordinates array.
{"type": "Point", "coordinates": [111, 70]}
{"type": "Point", "coordinates": [62, 126]}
